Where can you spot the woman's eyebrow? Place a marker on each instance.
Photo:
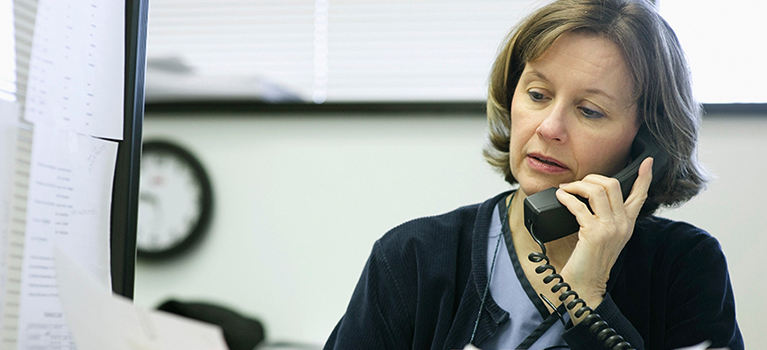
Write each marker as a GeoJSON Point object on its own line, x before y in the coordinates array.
{"type": "Point", "coordinates": [534, 74]}
{"type": "Point", "coordinates": [595, 91]}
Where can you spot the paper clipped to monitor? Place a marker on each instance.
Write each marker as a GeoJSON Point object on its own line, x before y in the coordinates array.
{"type": "Point", "coordinates": [100, 320]}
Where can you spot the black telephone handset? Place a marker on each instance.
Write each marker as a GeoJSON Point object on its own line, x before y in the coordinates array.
{"type": "Point", "coordinates": [547, 219]}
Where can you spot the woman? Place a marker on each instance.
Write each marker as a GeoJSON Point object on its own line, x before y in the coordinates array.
{"type": "Point", "coordinates": [569, 92]}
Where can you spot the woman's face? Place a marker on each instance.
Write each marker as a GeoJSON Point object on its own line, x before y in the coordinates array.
{"type": "Point", "coordinates": [572, 113]}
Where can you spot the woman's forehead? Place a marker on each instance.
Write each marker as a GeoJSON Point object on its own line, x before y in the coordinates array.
{"type": "Point", "coordinates": [587, 59]}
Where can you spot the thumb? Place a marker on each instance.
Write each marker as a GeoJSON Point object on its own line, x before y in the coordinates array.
{"type": "Point", "coordinates": [639, 190]}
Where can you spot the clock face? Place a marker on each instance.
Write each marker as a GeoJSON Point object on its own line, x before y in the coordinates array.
{"type": "Point", "coordinates": [174, 200]}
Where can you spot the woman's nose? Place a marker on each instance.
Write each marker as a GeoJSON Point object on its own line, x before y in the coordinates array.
{"type": "Point", "coordinates": [553, 127]}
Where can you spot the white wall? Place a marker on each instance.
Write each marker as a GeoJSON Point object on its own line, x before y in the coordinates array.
{"type": "Point", "coordinates": [301, 199]}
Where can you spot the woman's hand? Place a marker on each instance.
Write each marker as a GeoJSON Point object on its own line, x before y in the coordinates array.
{"type": "Point", "coordinates": [603, 233]}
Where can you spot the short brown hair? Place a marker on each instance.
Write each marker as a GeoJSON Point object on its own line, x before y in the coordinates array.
{"type": "Point", "coordinates": [661, 77]}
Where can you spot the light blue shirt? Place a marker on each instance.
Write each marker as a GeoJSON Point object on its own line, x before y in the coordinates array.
{"type": "Point", "coordinates": [511, 290]}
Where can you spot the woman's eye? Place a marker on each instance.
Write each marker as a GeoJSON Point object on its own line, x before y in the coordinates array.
{"type": "Point", "coordinates": [536, 96]}
{"type": "Point", "coordinates": [590, 113]}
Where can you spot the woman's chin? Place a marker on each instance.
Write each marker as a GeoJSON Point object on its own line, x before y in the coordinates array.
{"type": "Point", "coordinates": [532, 189]}
{"type": "Point", "coordinates": [531, 182]}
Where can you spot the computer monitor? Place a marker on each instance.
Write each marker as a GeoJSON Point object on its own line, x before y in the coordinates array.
{"type": "Point", "coordinates": [125, 189]}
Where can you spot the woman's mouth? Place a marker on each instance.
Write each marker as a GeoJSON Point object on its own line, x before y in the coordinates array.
{"type": "Point", "coordinates": [545, 164]}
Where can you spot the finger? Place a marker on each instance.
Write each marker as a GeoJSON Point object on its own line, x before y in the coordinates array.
{"type": "Point", "coordinates": [575, 206]}
{"type": "Point", "coordinates": [640, 188]}
{"type": "Point", "coordinates": [596, 195]}
{"type": "Point", "coordinates": [613, 189]}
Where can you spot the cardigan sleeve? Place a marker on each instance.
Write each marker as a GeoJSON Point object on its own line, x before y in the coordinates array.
{"type": "Point", "coordinates": [376, 315]}
{"type": "Point", "coordinates": [696, 299]}
{"type": "Point", "coordinates": [579, 337]}
{"type": "Point", "coordinates": [701, 305]}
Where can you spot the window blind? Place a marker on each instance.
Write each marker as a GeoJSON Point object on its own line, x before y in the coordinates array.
{"type": "Point", "coordinates": [417, 50]}
{"type": "Point", "coordinates": [725, 47]}
{"type": "Point", "coordinates": [340, 50]}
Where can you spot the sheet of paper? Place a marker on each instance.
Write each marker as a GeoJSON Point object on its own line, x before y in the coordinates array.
{"type": "Point", "coordinates": [100, 321]}
{"type": "Point", "coordinates": [68, 205]}
{"type": "Point", "coordinates": [7, 52]}
{"type": "Point", "coordinates": [76, 72]}
{"type": "Point", "coordinates": [701, 346]}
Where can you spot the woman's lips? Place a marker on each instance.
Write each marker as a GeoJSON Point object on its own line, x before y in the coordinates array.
{"type": "Point", "coordinates": [545, 164]}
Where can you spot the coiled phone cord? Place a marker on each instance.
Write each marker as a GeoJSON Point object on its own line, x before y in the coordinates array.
{"type": "Point", "coordinates": [596, 324]}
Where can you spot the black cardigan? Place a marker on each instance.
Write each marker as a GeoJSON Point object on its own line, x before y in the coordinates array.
{"type": "Point", "coordinates": [422, 285]}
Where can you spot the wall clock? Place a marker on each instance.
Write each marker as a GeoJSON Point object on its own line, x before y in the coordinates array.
{"type": "Point", "coordinates": [175, 201]}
